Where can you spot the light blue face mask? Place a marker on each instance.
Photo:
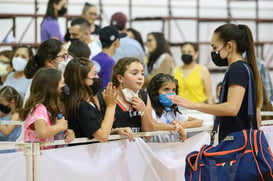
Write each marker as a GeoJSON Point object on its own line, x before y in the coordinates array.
{"type": "Point", "coordinates": [164, 100]}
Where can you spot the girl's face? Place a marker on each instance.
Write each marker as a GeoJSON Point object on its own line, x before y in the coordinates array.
{"type": "Point", "coordinates": [62, 56]}
{"type": "Point", "coordinates": [6, 62]}
{"type": "Point", "coordinates": [151, 43]}
{"type": "Point", "coordinates": [188, 49]}
{"type": "Point", "coordinates": [133, 77]}
{"type": "Point", "coordinates": [218, 45]}
{"type": "Point", "coordinates": [5, 103]}
{"type": "Point", "coordinates": [167, 87]}
{"type": "Point", "coordinates": [92, 74]}
{"type": "Point", "coordinates": [22, 53]}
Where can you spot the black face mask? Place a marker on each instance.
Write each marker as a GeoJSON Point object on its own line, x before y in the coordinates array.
{"type": "Point", "coordinates": [217, 60]}
{"type": "Point", "coordinates": [5, 109]}
{"type": "Point", "coordinates": [96, 86]}
{"type": "Point", "coordinates": [187, 59]}
{"type": "Point", "coordinates": [65, 90]}
{"type": "Point", "coordinates": [73, 40]}
{"type": "Point", "coordinates": [62, 11]}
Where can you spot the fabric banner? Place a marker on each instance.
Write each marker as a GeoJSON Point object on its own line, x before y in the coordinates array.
{"type": "Point", "coordinates": [13, 166]}
{"type": "Point", "coordinates": [119, 160]}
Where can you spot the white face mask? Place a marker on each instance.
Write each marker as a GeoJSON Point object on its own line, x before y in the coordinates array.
{"type": "Point", "coordinates": [3, 69]}
{"type": "Point", "coordinates": [19, 63]}
{"type": "Point", "coordinates": [129, 94]}
{"type": "Point", "coordinates": [62, 65]}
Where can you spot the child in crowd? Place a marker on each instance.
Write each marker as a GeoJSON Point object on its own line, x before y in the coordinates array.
{"type": "Point", "coordinates": [83, 115]}
{"type": "Point", "coordinates": [41, 109]}
{"type": "Point", "coordinates": [10, 104]}
{"type": "Point", "coordinates": [164, 111]}
{"type": "Point", "coordinates": [133, 104]}
{"type": "Point", "coordinates": [17, 79]}
{"type": "Point", "coordinates": [5, 64]}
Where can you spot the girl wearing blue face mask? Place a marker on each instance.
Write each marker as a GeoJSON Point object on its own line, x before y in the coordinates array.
{"type": "Point", "coordinates": [164, 111]}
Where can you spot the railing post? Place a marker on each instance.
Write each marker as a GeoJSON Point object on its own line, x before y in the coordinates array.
{"type": "Point", "coordinates": [29, 162]}
{"type": "Point", "coordinates": [36, 161]}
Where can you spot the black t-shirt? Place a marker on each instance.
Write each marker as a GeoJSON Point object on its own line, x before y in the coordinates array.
{"type": "Point", "coordinates": [237, 74]}
{"type": "Point", "coordinates": [88, 120]}
{"type": "Point", "coordinates": [124, 118]}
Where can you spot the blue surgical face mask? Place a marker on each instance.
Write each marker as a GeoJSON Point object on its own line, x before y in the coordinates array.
{"type": "Point", "coordinates": [164, 100]}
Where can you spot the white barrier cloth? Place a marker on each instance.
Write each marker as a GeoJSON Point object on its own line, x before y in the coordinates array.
{"type": "Point", "coordinates": [119, 161]}
{"type": "Point", "coordinates": [13, 166]}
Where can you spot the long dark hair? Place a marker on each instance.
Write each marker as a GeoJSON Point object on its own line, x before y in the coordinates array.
{"type": "Point", "coordinates": [50, 12]}
{"type": "Point", "coordinates": [154, 85]}
{"type": "Point", "coordinates": [162, 47]}
{"type": "Point", "coordinates": [44, 90]}
{"type": "Point", "coordinates": [137, 36]}
{"type": "Point", "coordinates": [76, 73]}
{"type": "Point", "coordinates": [47, 50]}
{"type": "Point", "coordinates": [242, 35]}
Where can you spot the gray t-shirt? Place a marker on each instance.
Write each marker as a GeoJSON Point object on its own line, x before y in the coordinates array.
{"type": "Point", "coordinates": [20, 84]}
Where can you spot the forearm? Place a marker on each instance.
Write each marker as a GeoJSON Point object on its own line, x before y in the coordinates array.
{"type": "Point", "coordinates": [48, 132]}
{"type": "Point", "coordinates": [147, 122]}
{"type": "Point", "coordinates": [224, 109]}
{"type": "Point", "coordinates": [6, 130]}
{"type": "Point", "coordinates": [106, 125]}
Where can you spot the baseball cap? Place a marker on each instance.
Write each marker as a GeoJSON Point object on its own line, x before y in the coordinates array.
{"type": "Point", "coordinates": [108, 35]}
{"type": "Point", "coordinates": [118, 20]}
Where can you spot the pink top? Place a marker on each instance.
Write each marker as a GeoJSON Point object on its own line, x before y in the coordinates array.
{"type": "Point", "coordinates": [40, 113]}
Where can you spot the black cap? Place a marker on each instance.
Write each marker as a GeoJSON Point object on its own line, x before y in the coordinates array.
{"type": "Point", "coordinates": [108, 35]}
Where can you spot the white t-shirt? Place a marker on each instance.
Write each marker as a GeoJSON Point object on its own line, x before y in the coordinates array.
{"type": "Point", "coordinates": [167, 117]}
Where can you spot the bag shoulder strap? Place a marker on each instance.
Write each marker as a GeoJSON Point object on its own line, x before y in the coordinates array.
{"type": "Point", "coordinates": [250, 110]}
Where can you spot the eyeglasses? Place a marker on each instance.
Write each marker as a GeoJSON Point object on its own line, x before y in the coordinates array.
{"type": "Point", "coordinates": [64, 56]}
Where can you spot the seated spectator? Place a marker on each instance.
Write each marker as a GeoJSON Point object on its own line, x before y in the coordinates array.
{"type": "Point", "coordinates": [89, 12]}
{"type": "Point", "coordinates": [128, 46]}
{"type": "Point", "coordinates": [163, 110]}
{"type": "Point", "coordinates": [17, 79]}
{"type": "Point", "coordinates": [80, 30]}
{"type": "Point", "coordinates": [50, 27]}
{"type": "Point", "coordinates": [52, 54]}
{"type": "Point", "coordinates": [42, 107]}
{"type": "Point", "coordinates": [83, 116]}
{"type": "Point", "coordinates": [133, 104]}
{"type": "Point", "coordinates": [193, 79]}
{"type": "Point", "coordinates": [109, 38]}
{"type": "Point", "coordinates": [11, 103]}
{"type": "Point", "coordinates": [5, 64]}
{"type": "Point", "coordinates": [160, 59]}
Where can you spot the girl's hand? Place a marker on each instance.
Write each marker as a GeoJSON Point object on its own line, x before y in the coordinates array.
{"type": "Point", "coordinates": [69, 135]}
{"type": "Point", "coordinates": [126, 132]}
{"type": "Point", "coordinates": [138, 104]}
{"type": "Point", "coordinates": [62, 124]}
{"type": "Point", "coordinates": [181, 101]}
{"type": "Point", "coordinates": [182, 133]}
{"type": "Point", "coordinates": [110, 95]}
